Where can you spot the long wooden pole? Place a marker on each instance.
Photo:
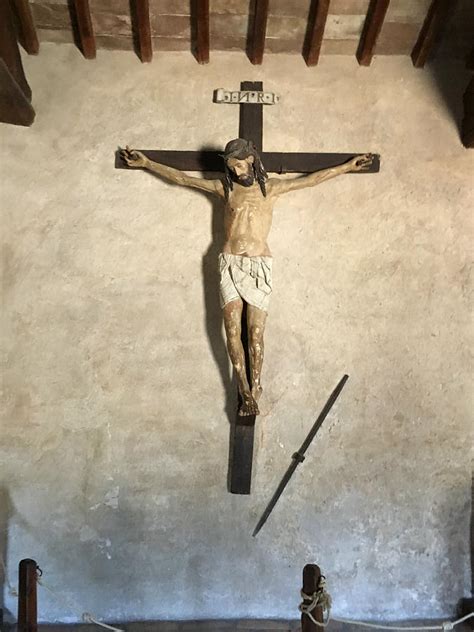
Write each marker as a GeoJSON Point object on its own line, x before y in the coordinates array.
{"type": "Point", "coordinates": [27, 600]}
{"type": "Point", "coordinates": [311, 580]}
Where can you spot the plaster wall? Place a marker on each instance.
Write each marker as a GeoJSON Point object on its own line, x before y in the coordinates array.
{"type": "Point", "coordinates": [115, 437]}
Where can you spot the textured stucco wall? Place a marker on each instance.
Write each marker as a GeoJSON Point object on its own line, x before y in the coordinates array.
{"type": "Point", "coordinates": [115, 441]}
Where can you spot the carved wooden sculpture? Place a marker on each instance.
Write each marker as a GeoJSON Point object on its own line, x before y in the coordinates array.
{"type": "Point", "coordinates": [245, 262]}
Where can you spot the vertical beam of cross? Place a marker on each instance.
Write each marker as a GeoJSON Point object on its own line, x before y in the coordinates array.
{"type": "Point", "coordinates": [371, 31]}
{"type": "Point", "coordinates": [243, 429]}
{"type": "Point", "coordinates": [316, 25]}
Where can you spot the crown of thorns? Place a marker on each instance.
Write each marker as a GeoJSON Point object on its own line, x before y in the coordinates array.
{"type": "Point", "coordinates": [239, 149]}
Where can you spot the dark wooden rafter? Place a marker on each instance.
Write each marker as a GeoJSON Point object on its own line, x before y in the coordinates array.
{"type": "Point", "coordinates": [371, 31]}
{"type": "Point", "coordinates": [259, 30]}
{"type": "Point", "coordinates": [200, 18]}
{"type": "Point", "coordinates": [467, 130]}
{"type": "Point", "coordinates": [470, 60]}
{"type": "Point", "coordinates": [140, 11]}
{"type": "Point", "coordinates": [435, 22]}
{"type": "Point", "coordinates": [316, 24]}
{"type": "Point", "coordinates": [85, 31]}
{"type": "Point", "coordinates": [27, 28]}
{"type": "Point", "coordinates": [15, 93]}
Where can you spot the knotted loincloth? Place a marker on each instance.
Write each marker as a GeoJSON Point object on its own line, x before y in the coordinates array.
{"type": "Point", "coordinates": [248, 278]}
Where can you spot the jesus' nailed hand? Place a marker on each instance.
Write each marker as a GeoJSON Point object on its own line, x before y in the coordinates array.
{"type": "Point", "coordinates": [245, 263]}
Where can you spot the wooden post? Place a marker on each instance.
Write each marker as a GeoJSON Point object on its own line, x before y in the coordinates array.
{"type": "Point", "coordinates": [27, 603]}
{"type": "Point", "coordinates": [311, 579]}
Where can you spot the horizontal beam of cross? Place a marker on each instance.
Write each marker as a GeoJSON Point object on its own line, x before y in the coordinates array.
{"type": "Point", "coordinates": [274, 162]}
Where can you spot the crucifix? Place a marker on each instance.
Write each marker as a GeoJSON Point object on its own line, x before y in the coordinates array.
{"type": "Point", "coordinates": [245, 261]}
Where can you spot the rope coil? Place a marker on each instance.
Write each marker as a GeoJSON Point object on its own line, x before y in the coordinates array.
{"type": "Point", "coordinates": [321, 598]}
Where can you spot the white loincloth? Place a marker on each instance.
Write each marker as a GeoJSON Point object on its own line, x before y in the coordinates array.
{"type": "Point", "coordinates": [249, 278]}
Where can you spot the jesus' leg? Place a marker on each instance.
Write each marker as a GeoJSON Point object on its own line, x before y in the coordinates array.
{"type": "Point", "coordinates": [233, 328]}
{"type": "Point", "coordinates": [256, 319]}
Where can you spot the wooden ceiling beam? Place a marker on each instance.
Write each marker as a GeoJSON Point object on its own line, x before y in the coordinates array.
{"type": "Point", "coordinates": [371, 31]}
{"type": "Point", "coordinates": [431, 31]}
{"type": "Point", "coordinates": [470, 60]}
{"type": "Point", "coordinates": [9, 50]}
{"type": "Point", "coordinates": [200, 18]}
{"type": "Point", "coordinates": [85, 30]}
{"type": "Point", "coordinates": [316, 25]}
{"type": "Point", "coordinates": [28, 35]}
{"type": "Point", "coordinates": [142, 29]}
{"type": "Point", "coordinates": [257, 44]}
{"type": "Point", "coordinates": [467, 130]}
{"type": "Point", "coordinates": [15, 93]}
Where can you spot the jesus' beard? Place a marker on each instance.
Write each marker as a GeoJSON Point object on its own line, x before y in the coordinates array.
{"type": "Point", "coordinates": [246, 180]}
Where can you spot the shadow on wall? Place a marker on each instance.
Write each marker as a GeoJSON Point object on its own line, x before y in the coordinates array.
{"type": "Point", "coordinates": [453, 50]}
{"type": "Point", "coordinates": [5, 516]}
{"type": "Point", "coordinates": [451, 77]}
{"type": "Point", "coordinates": [213, 311]}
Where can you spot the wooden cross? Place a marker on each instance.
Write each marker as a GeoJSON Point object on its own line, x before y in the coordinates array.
{"type": "Point", "coordinates": [250, 128]}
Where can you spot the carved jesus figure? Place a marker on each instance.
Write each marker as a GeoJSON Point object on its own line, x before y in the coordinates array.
{"type": "Point", "coordinates": [245, 263]}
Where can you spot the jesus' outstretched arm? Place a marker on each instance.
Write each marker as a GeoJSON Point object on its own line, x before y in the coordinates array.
{"type": "Point", "coordinates": [135, 158]}
{"type": "Point", "coordinates": [279, 186]}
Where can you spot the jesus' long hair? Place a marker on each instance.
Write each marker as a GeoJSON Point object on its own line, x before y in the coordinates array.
{"type": "Point", "coordinates": [242, 149]}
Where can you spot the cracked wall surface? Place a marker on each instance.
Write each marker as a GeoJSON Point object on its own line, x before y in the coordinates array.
{"type": "Point", "coordinates": [115, 433]}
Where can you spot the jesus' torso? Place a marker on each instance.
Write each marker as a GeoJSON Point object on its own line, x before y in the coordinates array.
{"type": "Point", "coordinates": [247, 221]}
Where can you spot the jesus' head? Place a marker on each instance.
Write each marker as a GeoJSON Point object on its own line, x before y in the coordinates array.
{"type": "Point", "coordinates": [242, 165]}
